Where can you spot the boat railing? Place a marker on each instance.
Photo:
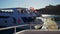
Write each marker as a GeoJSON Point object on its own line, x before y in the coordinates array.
{"type": "Point", "coordinates": [13, 27]}
{"type": "Point", "coordinates": [21, 26]}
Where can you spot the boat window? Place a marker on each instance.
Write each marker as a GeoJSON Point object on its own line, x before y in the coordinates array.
{"type": "Point", "coordinates": [6, 11]}
{"type": "Point", "coordinates": [22, 11]}
{"type": "Point", "coordinates": [4, 16]}
{"type": "Point", "coordinates": [28, 19]}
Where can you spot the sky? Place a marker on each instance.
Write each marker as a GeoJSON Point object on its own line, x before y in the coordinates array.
{"type": "Point", "coordinates": [27, 3]}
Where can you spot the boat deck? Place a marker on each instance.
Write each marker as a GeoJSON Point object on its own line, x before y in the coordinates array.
{"type": "Point", "coordinates": [39, 32]}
